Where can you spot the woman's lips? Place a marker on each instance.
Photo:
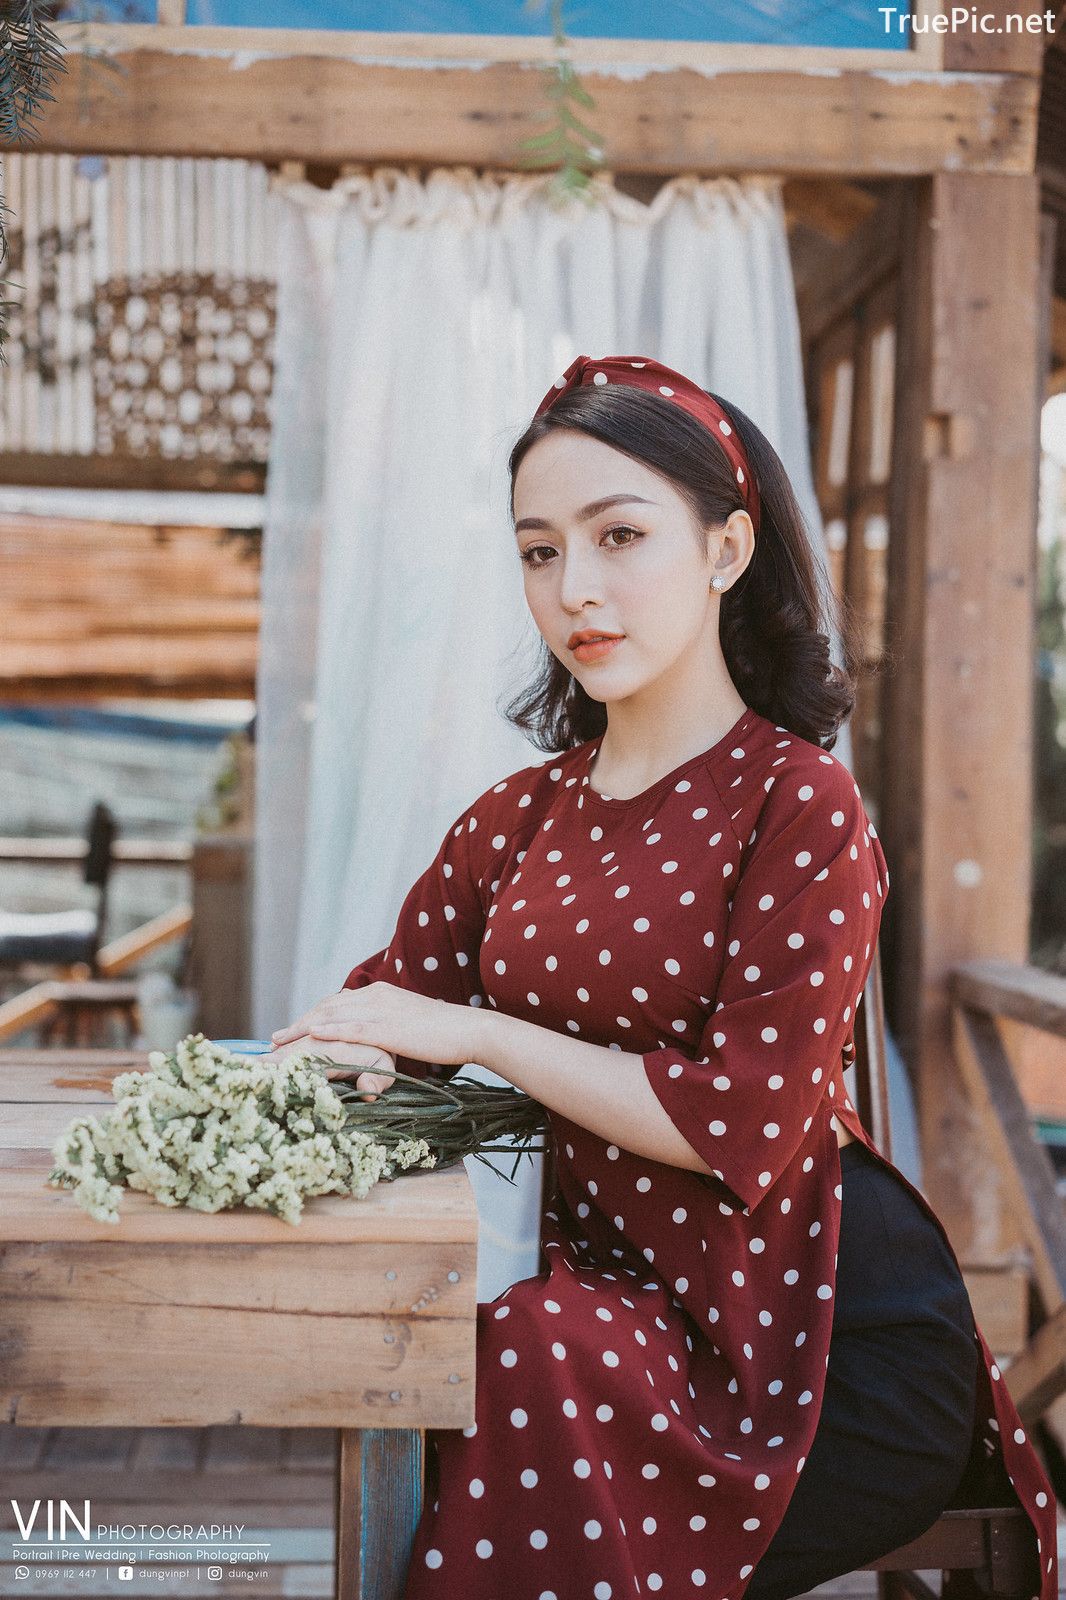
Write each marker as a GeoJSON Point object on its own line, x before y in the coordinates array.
{"type": "Point", "coordinates": [596, 649]}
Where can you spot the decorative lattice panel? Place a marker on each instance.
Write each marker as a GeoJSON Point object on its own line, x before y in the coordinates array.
{"type": "Point", "coordinates": [143, 295]}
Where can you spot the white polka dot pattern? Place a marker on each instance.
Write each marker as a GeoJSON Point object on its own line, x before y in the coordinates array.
{"type": "Point", "coordinates": [665, 1369]}
{"type": "Point", "coordinates": [761, 1035]}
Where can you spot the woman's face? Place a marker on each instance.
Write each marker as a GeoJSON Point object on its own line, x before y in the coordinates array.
{"type": "Point", "coordinates": [638, 566]}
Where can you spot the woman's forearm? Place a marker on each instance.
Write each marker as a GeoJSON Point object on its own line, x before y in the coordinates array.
{"type": "Point", "coordinates": [606, 1091]}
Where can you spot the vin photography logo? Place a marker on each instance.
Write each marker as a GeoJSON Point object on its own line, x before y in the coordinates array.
{"type": "Point", "coordinates": [56, 1521]}
{"type": "Point", "coordinates": [59, 1534]}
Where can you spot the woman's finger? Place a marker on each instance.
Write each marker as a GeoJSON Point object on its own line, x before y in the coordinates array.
{"type": "Point", "coordinates": [293, 1031]}
{"type": "Point", "coordinates": [341, 1032]}
{"type": "Point", "coordinates": [322, 1011]}
{"type": "Point", "coordinates": [372, 1084]}
{"type": "Point", "coordinates": [302, 1025]}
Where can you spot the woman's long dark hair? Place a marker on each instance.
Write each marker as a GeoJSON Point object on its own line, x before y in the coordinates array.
{"type": "Point", "coordinates": [772, 620]}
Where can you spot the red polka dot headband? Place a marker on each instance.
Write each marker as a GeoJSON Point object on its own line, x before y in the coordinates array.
{"type": "Point", "coordinates": [641, 373]}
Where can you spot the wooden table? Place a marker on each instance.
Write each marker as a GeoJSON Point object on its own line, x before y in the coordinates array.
{"type": "Point", "coordinates": [360, 1318]}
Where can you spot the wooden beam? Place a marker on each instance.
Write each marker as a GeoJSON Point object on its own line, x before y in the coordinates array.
{"type": "Point", "coordinates": [122, 953]}
{"type": "Point", "coordinates": [331, 109]}
{"type": "Point", "coordinates": [849, 271]}
{"type": "Point", "coordinates": [27, 1009]}
{"type": "Point", "coordinates": [39, 852]}
{"type": "Point", "coordinates": [1016, 1164]}
{"type": "Point", "coordinates": [1017, 45]}
{"type": "Point", "coordinates": [999, 1295]}
{"type": "Point", "coordinates": [960, 1541]}
{"type": "Point", "coordinates": [1036, 1376]}
{"type": "Point", "coordinates": [88, 688]}
{"type": "Point", "coordinates": [833, 207]}
{"type": "Point", "coordinates": [380, 1473]}
{"type": "Point", "coordinates": [956, 787]}
{"type": "Point", "coordinates": [32, 469]}
{"type": "Point", "coordinates": [115, 657]}
{"type": "Point", "coordinates": [1004, 989]}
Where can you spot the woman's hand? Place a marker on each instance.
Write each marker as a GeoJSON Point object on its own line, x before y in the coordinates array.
{"type": "Point", "coordinates": [388, 1018]}
{"type": "Point", "coordinates": [352, 1055]}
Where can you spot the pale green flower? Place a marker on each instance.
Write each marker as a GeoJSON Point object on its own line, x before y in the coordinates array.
{"type": "Point", "coordinates": [208, 1130]}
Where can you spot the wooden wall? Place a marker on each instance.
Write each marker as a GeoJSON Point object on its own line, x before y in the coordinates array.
{"type": "Point", "coordinates": [89, 609]}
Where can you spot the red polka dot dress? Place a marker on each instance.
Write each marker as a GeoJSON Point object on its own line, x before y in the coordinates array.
{"type": "Point", "coordinates": [647, 1401]}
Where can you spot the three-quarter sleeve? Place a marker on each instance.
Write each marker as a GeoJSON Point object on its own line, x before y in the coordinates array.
{"type": "Point", "coordinates": [800, 938]}
{"type": "Point", "coordinates": [434, 946]}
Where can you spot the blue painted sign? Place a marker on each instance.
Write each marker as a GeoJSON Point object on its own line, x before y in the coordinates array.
{"type": "Point", "coordinates": [842, 24]}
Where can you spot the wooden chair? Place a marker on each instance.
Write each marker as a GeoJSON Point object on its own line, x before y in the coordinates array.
{"type": "Point", "coordinates": [65, 939]}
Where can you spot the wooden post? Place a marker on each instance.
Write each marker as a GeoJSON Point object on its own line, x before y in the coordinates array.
{"type": "Point", "coordinates": [379, 1501]}
{"type": "Point", "coordinates": [956, 784]}
{"type": "Point", "coordinates": [220, 956]}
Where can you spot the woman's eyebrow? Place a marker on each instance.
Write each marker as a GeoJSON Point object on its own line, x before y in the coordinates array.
{"type": "Point", "coordinates": [593, 509]}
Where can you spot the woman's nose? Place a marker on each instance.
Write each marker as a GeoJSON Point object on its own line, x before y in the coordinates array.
{"type": "Point", "coordinates": [579, 584]}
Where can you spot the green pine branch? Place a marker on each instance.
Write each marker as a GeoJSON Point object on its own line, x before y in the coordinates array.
{"type": "Point", "coordinates": [570, 146]}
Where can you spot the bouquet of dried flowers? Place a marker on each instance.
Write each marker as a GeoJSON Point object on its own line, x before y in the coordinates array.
{"type": "Point", "coordinates": [209, 1129]}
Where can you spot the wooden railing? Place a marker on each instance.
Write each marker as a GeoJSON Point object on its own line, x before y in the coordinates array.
{"type": "Point", "coordinates": [984, 995]}
{"type": "Point", "coordinates": [18, 850]}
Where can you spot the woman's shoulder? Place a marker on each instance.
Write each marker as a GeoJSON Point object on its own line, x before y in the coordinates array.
{"type": "Point", "coordinates": [529, 790]}
{"type": "Point", "coordinates": [790, 777]}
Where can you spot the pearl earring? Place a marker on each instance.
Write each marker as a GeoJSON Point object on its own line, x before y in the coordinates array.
{"type": "Point", "coordinates": [718, 582]}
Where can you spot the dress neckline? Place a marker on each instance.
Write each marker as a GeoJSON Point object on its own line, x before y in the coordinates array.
{"type": "Point", "coordinates": [615, 803]}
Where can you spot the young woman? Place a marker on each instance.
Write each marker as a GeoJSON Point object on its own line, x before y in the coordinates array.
{"type": "Point", "coordinates": [750, 1363]}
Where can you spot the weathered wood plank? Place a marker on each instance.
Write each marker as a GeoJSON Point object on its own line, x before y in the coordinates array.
{"type": "Point", "coordinates": [368, 1279]}
{"type": "Point", "coordinates": [297, 1335]}
{"type": "Point", "coordinates": [1037, 1375]}
{"type": "Point", "coordinates": [127, 852]}
{"type": "Point", "coordinates": [43, 1081]}
{"type": "Point", "coordinates": [999, 1296]}
{"type": "Point", "coordinates": [305, 1496]}
{"type": "Point", "coordinates": [426, 1206]}
{"type": "Point", "coordinates": [47, 1067]}
{"type": "Point", "coordinates": [37, 467]}
{"type": "Point", "coordinates": [652, 119]}
{"type": "Point", "coordinates": [1012, 49]}
{"type": "Point", "coordinates": [117, 955]}
{"type": "Point", "coordinates": [1022, 1167]}
{"type": "Point", "coordinates": [853, 269]}
{"type": "Point", "coordinates": [379, 1499]}
{"type": "Point", "coordinates": [957, 706]}
{"type": "Point", "coordinates": [1011, 989]}
{"type": "Point", "coordinates": [955, 1542]}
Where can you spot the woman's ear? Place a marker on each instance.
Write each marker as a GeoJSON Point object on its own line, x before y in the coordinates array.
{"type": "Point", "coordinates": [731, 546]}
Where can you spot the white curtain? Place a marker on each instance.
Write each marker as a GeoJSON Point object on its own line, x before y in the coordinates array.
{"type": "Point", "coordinates": [419, 323]}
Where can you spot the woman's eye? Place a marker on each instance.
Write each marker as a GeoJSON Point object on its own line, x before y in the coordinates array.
{"type": "Point", "coordinates": [529, 556]}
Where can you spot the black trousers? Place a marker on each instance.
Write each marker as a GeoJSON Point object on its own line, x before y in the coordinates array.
{"type": "Point", "coordinates": [897, 1424]}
